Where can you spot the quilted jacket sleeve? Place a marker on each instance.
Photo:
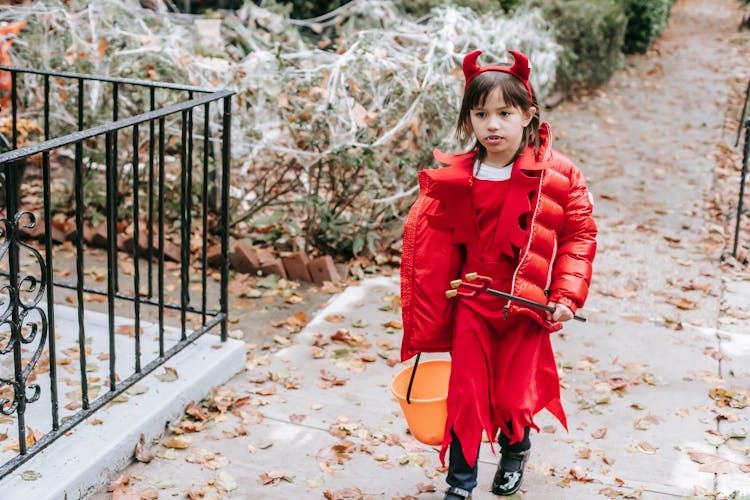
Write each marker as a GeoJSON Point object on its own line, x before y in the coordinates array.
{"type": "Point", "coordinates": [429, 261]}
{"type": "Point", "coordinates": [571, 272]}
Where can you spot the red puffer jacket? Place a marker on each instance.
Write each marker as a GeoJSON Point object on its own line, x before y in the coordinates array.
{"type": "Point", "coordinates": [555, 246]}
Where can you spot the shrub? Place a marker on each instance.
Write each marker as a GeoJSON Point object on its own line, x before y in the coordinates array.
{"type": "Point", "coordinates": [646, 20]}
{"type": "Point", "coordinates": [591, 34]}
{"type": "Point", "coordinates": [305, 9]}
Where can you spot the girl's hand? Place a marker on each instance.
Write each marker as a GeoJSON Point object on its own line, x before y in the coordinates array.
{"type": "Point", "coordinates": [562, 313]}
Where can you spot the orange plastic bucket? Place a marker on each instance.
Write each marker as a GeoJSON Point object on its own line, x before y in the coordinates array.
{"type": "Point", "coordinates": [427, 409]}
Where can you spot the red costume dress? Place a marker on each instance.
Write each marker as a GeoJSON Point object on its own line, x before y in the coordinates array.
{"type": "Point", "coordinates": [537, 242]}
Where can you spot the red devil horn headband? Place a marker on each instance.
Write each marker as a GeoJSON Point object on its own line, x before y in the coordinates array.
{"type": "Point", "coordinates": [520, 68]}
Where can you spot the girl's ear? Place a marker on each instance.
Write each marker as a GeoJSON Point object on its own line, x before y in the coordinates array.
{"type": "Point", "coordinates": [529, 115]}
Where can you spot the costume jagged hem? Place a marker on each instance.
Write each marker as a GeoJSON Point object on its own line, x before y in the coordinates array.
{"type": "Point", "coordinates": [470, 444]}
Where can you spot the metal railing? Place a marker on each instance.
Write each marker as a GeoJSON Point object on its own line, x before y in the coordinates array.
{"type": "Point", "coordinates": [135, 174]}
{"type": "Point", "coordinates": [744, 123]}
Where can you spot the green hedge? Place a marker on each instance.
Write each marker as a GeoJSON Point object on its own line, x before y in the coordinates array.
{"type": "Point", "coordinates": [592, 34]}
{"type": "Point", "coordinates": [646, 20]}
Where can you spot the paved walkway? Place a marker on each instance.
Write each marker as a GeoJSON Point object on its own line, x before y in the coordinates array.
{"type": "Point", "coordinates": [655, 384]}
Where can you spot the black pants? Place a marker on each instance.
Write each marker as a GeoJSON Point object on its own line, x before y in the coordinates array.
{"type": "Point", "coordinates": [461, 475]}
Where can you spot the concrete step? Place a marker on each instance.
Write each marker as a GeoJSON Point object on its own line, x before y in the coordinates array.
{"type": "Point", "coordinates": [93, 451]}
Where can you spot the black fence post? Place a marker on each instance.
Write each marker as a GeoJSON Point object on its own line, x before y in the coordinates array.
{"type": "Point", "coordinates": [743, 178]}
{"type": "Point", "coordinates": [225, 149]}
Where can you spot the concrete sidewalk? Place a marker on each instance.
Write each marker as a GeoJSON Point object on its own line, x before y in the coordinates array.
{"type": "Point", "coordinates": [637, 398]}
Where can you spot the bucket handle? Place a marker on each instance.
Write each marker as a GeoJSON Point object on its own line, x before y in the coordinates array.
{"type": "Point", "coordinates": [411, 379]}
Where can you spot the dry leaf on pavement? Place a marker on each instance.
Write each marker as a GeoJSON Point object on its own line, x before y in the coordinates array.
{"type": "Point", "coordinates": [197, 412]}
{"type": "Point", "coordinates": [329, 380]}
{"type": "Point", "coordinates": [273, 478]}
{"type": "Point", "coordinates": [599, 433]}
{"type": "Point", "coordinates": [711, 462]}
{"type": "Point", "coordinates": [142, 453]}
{"type": "Point", "coordinates": [611, 492]}
{"type": "Point", "coordinates": [645, 447]}
{"type": "Point", "coordinates": [178, 442]}
{"type": "Point", "coordinates": [169, 375]}
{"type": "Point", "coordinates": [646, 422]}
{"type": "Point", "coordinates": [344, 494]}
{"type": "Point", "coordinates": [225, 482]}
{"type": "Point", "coordinates": [426, 488]}
{"type": "Point", "coordinates": [209, 459]}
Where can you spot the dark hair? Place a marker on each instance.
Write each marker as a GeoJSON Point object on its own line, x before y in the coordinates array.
{"type": "Point", "coordinates": [514, 93]}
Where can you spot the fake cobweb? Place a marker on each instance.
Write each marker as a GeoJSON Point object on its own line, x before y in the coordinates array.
{"type": "Point", "coordinates": [350, 104]}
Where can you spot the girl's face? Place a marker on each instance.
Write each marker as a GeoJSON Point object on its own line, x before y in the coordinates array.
{"type": "Point", "coordinates": [499, 128]}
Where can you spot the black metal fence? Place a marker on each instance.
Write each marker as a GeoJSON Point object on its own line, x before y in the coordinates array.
{"type": "Point", "coordinates": [744, 123]}
{"type": "Point", "coordinates": [158, 181]}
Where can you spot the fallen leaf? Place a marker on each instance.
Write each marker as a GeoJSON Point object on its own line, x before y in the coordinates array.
{"type": "Point", "coordinates": [30, 475]}
{"type": "Point", "coordinates": [711, 462]}
{"type": "Point", "coordinates": [197, 492]}
{"type": "Point", "coordinates": [210, 459]}
{"type": "Point", "coordinates": [128, 330]}
{"type": "Point", "coordinates": [635, 318]}
{"type": "Point", "coordinates": [645, 423]}
{"type": "Point", "coordinates": [274, 478]}
{"type": "Point", "coordinates": [610, 492]}
{"type": "Point", "coordinates": [142, 453]}
{"type": "Point", "coordinates": [135, 390]}
{"type": "Point", "coordinates": [579, 474]}
{"type": "Point", "coordinates": [118, 482]}
{"type": "Point", "coordinates": [197, 412]}
{"type": "Point", "coordinates": [225, 482]}
{"type": "Point", "coordinates": [344, 494]}
{"type": "Point", "coordinates": [646, 448]}
{"type": "Point", "coordinates": [169, 375]}
{"type": "Point", "coordinates": [599, 433]}
{"type": "Point", "coordinates": [296, 418]}
{"type": "Point", "coordinates": [168, 454]}
{"type": "Point", "coordinates": [344, 336]}
{"type": "Point", "coordinates": [178, 442]}
{"type": "Point", "coordinates": [426, 488]}
{"type": "Point", "coordinates": [682, 303]}
{"type": "Point", "coordinates": [32, 437]}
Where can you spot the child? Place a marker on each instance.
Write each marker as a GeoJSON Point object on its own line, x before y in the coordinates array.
{"type": "Point", "coordinates": [519, 212]}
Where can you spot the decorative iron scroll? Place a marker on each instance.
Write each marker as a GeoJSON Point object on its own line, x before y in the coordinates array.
{"type": "Point", "coordinates": [22, 296]}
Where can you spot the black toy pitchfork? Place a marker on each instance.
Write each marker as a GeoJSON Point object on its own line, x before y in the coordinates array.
{"type": "Point", "coordinates": [476, 284]}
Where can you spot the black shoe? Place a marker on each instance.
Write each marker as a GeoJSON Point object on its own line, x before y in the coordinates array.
{"type": "Point", "coordinates": [509, 472]}
{"type": "Point", "coordinates": [453, 493]}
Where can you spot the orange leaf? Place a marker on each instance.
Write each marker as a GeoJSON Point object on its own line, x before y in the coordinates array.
{"type": "Point", "coordinates": [334, 318]}
{"type": "Point", "coordinates": [646, 448]}
{"type": "Point", "coordinates": [599, 433]}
